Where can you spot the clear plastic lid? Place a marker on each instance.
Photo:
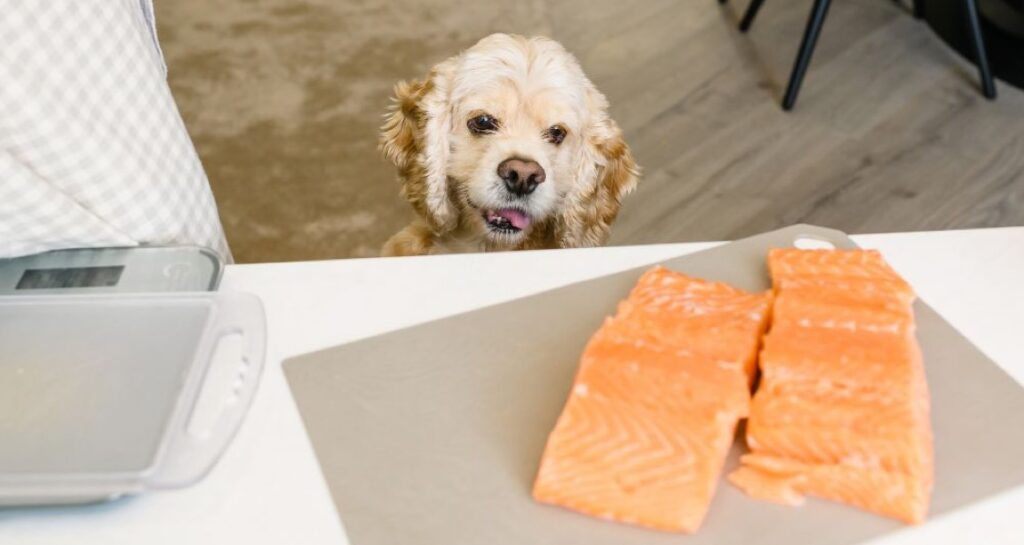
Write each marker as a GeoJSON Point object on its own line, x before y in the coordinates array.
{"type": "Point", "coordinates": [103, 395]}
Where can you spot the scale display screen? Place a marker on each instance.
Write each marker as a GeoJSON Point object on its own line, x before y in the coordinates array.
{"type": "Point", "coordinates": [138, 269]}
{"type": "Point", "coordinates": [72, 277]}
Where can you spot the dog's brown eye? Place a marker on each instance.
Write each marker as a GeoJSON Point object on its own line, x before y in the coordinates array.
{"type": "Point", "coordinates": [482, 124]}
{"type": "Point", "coordinates": [555, 134]}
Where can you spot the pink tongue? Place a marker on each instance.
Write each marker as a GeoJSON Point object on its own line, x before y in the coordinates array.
{"type": "Point", "coordinates": [518, 219]}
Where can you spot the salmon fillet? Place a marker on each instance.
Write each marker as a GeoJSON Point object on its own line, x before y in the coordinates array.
{"type": "Point", "coordinates": [842, 408]}
{"type": "Point", "coordinates": [654, 406]}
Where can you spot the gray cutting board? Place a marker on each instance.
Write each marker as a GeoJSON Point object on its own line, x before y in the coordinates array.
{"type": "Point", "coordinates": [432, 434]}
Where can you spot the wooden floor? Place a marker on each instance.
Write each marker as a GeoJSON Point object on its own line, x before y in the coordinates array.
{"type": "Point", "coordinates": [890, 132]}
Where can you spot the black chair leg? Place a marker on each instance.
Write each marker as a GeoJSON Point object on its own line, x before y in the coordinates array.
{"type": "Point", "coordinates": [919, 9]}
{"type": "Point", "coordinates": [803, 56]}
{"type": "Point", "coordinates": [988, 87]}
{"type": "Point", "coordinates": [748, 16]}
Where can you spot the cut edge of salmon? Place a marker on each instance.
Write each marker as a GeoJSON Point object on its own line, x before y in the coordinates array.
{"type": "Point", "coordinates": [786, 482]}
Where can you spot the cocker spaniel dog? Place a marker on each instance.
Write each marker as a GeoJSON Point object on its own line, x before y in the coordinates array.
{"type": "Point", "coordinates": [506, 146]}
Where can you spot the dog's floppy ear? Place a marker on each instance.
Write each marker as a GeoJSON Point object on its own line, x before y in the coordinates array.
{"type": "Point", "coordinates": [605, 172]}
{"type": "Point", "coordinates": [415, 138]}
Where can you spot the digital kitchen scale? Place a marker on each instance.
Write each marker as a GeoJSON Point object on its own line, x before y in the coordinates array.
{"type": "Point", "coordinates": [121, 370]}
{"type": "Point", "coordinates": [144, 269]}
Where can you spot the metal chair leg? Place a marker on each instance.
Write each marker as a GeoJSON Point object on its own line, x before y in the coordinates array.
{"type": "Point", "coordinates": [988, 86]}
{"type": "Point", "coordinates": [803, 56]}
{"type": "Point", "coordinates": [919, 9]}
{"type": "Point", "coordinates": [748, 16]}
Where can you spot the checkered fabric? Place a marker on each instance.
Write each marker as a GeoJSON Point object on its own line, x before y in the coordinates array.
{"type": "Point", "coordinates": [93, 151]}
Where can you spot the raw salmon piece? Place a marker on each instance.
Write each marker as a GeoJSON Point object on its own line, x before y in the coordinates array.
{"type": "Point", "coordinates": [866, 269]}
{"type": "Point", "coordinates": [654, 406]}
{"type": "Point", "coordinates": [842, 409]}
{"type": "Point", "coordinates": [712, 319]}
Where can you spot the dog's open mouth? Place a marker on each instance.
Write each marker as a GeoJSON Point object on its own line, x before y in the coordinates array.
{"type": "Point", "coordinates": [506, 220]}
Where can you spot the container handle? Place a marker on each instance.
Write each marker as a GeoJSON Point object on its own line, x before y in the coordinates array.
{"type": "Point", "coordinates": [218, 392]}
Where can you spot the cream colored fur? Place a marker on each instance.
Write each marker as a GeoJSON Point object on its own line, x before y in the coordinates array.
{"type": "Point", "coordinates": [448, 173]}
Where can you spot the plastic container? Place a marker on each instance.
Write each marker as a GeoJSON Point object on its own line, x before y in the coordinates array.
{"type": "Point", "coordinates": [106, 395]}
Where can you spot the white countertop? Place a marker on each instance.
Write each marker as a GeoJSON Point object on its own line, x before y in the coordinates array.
{"type": "Point", "coordinates": [267, 489]}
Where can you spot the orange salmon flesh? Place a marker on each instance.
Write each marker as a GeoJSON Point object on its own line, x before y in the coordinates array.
{"type": "Point", "coordinates": [842, 409]}
{"type": "Point", "coordinates": [655, 403]}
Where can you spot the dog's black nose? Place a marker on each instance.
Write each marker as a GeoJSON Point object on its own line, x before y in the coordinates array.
{"type": "Point", "coordinates": [521, 176]}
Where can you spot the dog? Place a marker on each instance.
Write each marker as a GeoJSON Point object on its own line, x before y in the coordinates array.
{"type": "Point", "coordinates": [506, 146]}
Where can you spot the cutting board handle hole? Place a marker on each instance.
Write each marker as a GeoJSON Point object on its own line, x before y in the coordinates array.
{"type": "Point", "coordinates": [808, 242]}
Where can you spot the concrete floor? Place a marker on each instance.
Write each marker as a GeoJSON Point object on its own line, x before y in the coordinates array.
{"type": "Point", "coordinates": [284, 98]}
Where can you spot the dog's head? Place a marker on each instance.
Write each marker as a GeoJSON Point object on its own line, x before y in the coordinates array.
{"type": "Point", "coordinates": [508, 136]}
